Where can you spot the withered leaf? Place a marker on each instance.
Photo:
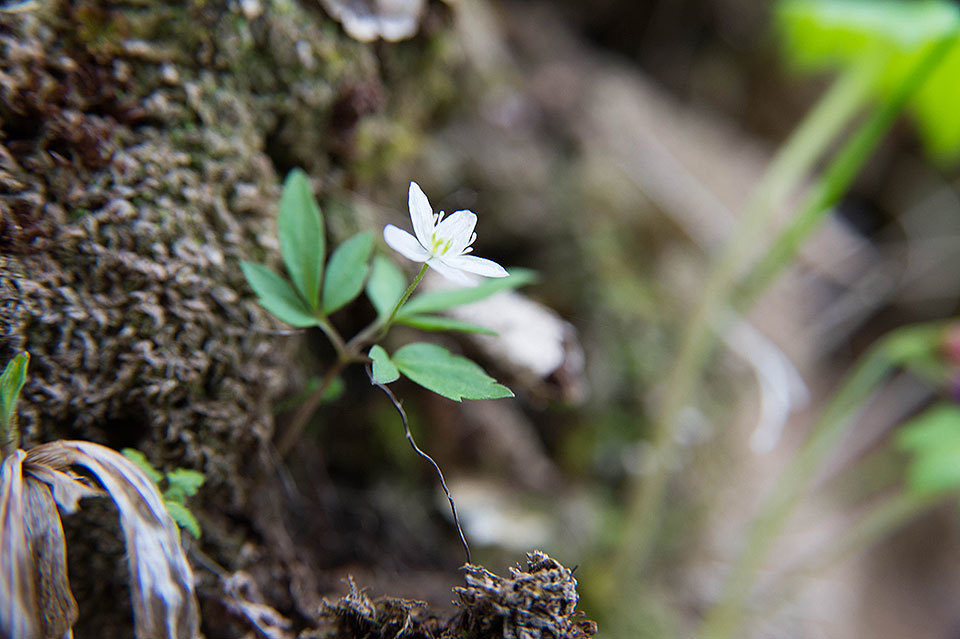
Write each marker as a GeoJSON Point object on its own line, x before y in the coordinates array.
{"type": "Point", "coordinates": [161, 581]}
{"type": "Point", "coordinates": [19, 615]}
{"type": "Point", "coordinates": [48, 560]}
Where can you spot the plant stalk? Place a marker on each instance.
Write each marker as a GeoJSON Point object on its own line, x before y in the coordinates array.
{"type": "Point", "coordinates": [347, 353]}
{"type": "Point", "coordinates": [792, 163]}
{"type": "Point", "coordinates": [837, 179]}
{"type": "Point", "coordinates": [724, 618]}
{"type": "Point", "coordinates": [403, 298]}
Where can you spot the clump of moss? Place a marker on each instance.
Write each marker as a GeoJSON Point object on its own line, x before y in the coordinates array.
{"type": "Point", "coordinates": [536, 602]}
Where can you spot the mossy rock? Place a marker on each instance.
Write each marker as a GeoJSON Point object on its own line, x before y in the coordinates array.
{"type": "Point", "coordinates": [141, 151]}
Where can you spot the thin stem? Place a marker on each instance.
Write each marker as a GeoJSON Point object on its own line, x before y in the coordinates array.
{"type": "Point", "coordinates": [347, 353]}
{"type": "Point", "coordinates": [378, 329]}
{"type": "Point", "coordinates": [403, 298]}
{"type": "Point", "coordinates": [791, 164]}
{"type": "Point", "coordinates": [644, 509]}
{"type": "Point", "coordinates": [876, 526]}
{"type": "Point", "coordinates": [328, 329]}
{"type": "Point", "coordinates": [838, 177]}
{"type": "Point", "coordinates": [882, 521]}
{"type": "Point", "coordinates": [308, 407]}
{"type": "Point", "coordinates": [409, 435]}
{"type": "Point", "coordinates": [723, 619]}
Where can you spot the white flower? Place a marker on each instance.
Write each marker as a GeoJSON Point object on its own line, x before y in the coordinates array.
{"type": "Point", "coordinates": [443, 243]}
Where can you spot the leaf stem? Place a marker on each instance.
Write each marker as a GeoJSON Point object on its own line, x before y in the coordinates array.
{"type": "Point", "coordinates": [403, 299]}
{"type": "Point", "coordinates": [347, 353]}
{"type": "Point", "coordinates": [837, 178]}
{"type": "Point", "coordinates": [328, 329]}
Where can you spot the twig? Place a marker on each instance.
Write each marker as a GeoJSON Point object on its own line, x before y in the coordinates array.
{"type": "Point", "coordinates": [406, 430]}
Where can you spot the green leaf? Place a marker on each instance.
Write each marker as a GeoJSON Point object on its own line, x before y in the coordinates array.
{"type": "Point", "coordinates": [347, 271]}
{"type": "Point", "coordinates": [439, 323]}
{"type": "Point", "coordinates": [300, 229]}
{"type": "Point", "coordinates": [184, 518]}
{"type": "Point", "coordinates": [182, 483]}
{"type": "Point", "coordinates": [386, 285]}
{"type": "Point", "coordinates": [455, 377]}
{"type": "Point", "coordinates": [918, 349]}
{"type": "Point", "coordinates": [277, 296]}
{"type": "Point", "coordinates": [914, 342]}
{"type": "Point", "coordinates": [143, 464]}
{"type": "Point", "coordinates": [828, 34]}
{"type": "Point", "coordinates": [827, 31]}
{"type": "Point", "coordinates": [384, 371]}
{"type": "Point", "coordinates": [11, 382]}
{"type": "Point", "coordinates": [933, 439]}
{"type": "Point", "coordinates": [449, 298]}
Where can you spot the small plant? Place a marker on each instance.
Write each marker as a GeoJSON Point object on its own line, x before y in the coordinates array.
{"type": "Point", "coordinates": [319, 287]}
{"type": "Point", "coordinates": [38, 484]}
{"type": "Point", "coordinates": [179, 484]}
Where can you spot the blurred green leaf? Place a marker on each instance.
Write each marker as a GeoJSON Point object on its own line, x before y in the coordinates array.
{"type": "Point", "coordinates": [829, 34]}
{"type": "Point", "coordinates": [143, 464]}
{"type": "Point", "coordinates": [11, 382]}
{"type": "Point", "coordinates": [346, 271]}
{"type": "Point", "coordinates": [384, 370]}
{"type": "Point", "coordinates": [184, 518]}
{"type": "Point", "coordinates": [300, 230]}
{"type": "Point", "coordinates": [385, 286]}
{"type": "Point", "coordinates": [277, 296]}
{"type": "Point", "coordinates": [455, 377]}
{"type": "Point", "coordinates": [439, 323]}
{"type": "Point", "coordinates": [918, 349]}
{"type": "Point", "coordinates": [933, 440]}
{"type": "Point", "coordinates": [183, 483]}
{"type": "Point", "coordinates": [823, 32]}
{"type": "Point", "coordinates": [449, 298]}
{"type": "Point", "coordinates": [916, 342]}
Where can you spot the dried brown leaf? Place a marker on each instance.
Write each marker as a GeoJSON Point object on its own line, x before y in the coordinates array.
{"type": "Point", "coordinates": [67, 490]}
{"type": "Point", "coordinates": [241, 593]}
{"type": "Point", "coordinates": [19, 615]}
{"type": "Point", "coordinates": [48, 561]}
{"type": "Point", "coordinates": [164, 603]}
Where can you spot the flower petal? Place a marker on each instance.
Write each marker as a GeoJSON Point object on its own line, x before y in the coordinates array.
{"type": "Point", "coordinates": [474, 264]}
{"type": "Point", "coordinates": [421, 214]}
{"type": "Point", "coordinates": [454, 275]}
{"type": "Point", "coordinates": [457, 228]}
{"type": "Point", "coordinates": [404, 244]}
